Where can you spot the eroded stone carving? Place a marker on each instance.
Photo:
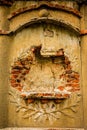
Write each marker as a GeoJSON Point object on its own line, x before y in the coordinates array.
{"type": "Point", "coordinates": [43, 84]}
{"type": "Point", "coordinates": [43, 111]}
{"type": "Point", "coordinates": [43, 13]}
{"type": "Point", "coordinates": [45, 77]}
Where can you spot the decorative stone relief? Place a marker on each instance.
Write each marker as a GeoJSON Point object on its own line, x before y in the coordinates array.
{"type": "Point", "coordinates": [45, 110]}
{"type": "Point", "coordinates": [43, 13]}
{"type": "Point", "coordinates": [44, 87]}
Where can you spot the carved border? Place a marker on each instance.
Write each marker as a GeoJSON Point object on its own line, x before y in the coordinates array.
{"type": "Point", "coordinates": [49, 5]}
{"type": "Point", "coordinates": [39, 20]}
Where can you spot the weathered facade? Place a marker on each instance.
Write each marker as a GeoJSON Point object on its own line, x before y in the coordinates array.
{"type": "Point", "coordinates": [43, 64]}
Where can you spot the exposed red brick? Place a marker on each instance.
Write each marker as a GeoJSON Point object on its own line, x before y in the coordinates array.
{"type": "Point", "coordinates": [14, 76]}
{"type": "Point", "coordinates": [76, 76]}
{"type": "Point", "coordinates": [67, 60]}
{"type": "Point", "coordinates": [44, 101]}
{"type": "Point", "coordinates": [6, 2]}
{"type": "Point", "coordinates": [30, 100]}
{"type": "Point", "coordinates": [60, 52]}
{"type": "Point", "coordinates": [19, 68]}
{"type": "Point", "coordinates": [68, 67]}
{"type": "Point", "coordinates": [19, 88]}
{"type": "Point", "coordinates": [17, 63]}
{"type": "Point", "coordinates": [4, 32]}
{"type": "Point", "coordinates": [61, 88]}
{"type": "Point", "coordinates": [75, 81]}
{"type": "Point", "coordinates": [13, 81]}
{"type": "Point", "coordinates": [15, 71]}
{"type": "Point", "coordinates": [57, 101]}
{"type": "Point", "coordinates": [68, 84]}
{"type": "Point", "coordinates": [25, 72]}
{"type": "Point", "coordinates": [23, 95]}
{"type": "Point", "coordinates": [83, 32]}
{"type": "Point", "coordinates": [77, 89]}
{"type": "Point", "coordinates": [15, 85]}
{"type": "Point", "coordinates": [66, 95]}
{"type": "Point", "coordinates": [58, 95]}
{"type": "Point", "coordinates": [19, 71]}
{"type": "Point", "coordinates": [75, 85]}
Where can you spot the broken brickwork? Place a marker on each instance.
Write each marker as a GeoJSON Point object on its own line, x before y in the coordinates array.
{"type": "Point", "coordinates": [43, 63]}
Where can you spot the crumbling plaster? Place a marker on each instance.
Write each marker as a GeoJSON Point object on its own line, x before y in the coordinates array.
{"type": "Point", "coordinates": [12, 27]}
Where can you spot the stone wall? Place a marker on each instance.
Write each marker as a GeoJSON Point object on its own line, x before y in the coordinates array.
{"type": "Point", "coordinates": [42, 44]}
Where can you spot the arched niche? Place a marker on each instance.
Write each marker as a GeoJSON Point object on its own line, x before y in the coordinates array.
{"type": "Point", "coordinates": [44, 77]}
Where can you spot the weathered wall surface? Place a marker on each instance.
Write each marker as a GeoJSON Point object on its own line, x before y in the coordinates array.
{"type": "Point", "coordinates": [43, 64]}
{"type": "Point", "coordinates": [21, 42]}
{"type": "Point", "coordinates": [4, 55]}
{"type": "Point", "coordinates": [84, 57]}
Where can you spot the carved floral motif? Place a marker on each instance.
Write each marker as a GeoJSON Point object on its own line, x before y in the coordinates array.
{"type": "Point", "coordinates": [46, 111]}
